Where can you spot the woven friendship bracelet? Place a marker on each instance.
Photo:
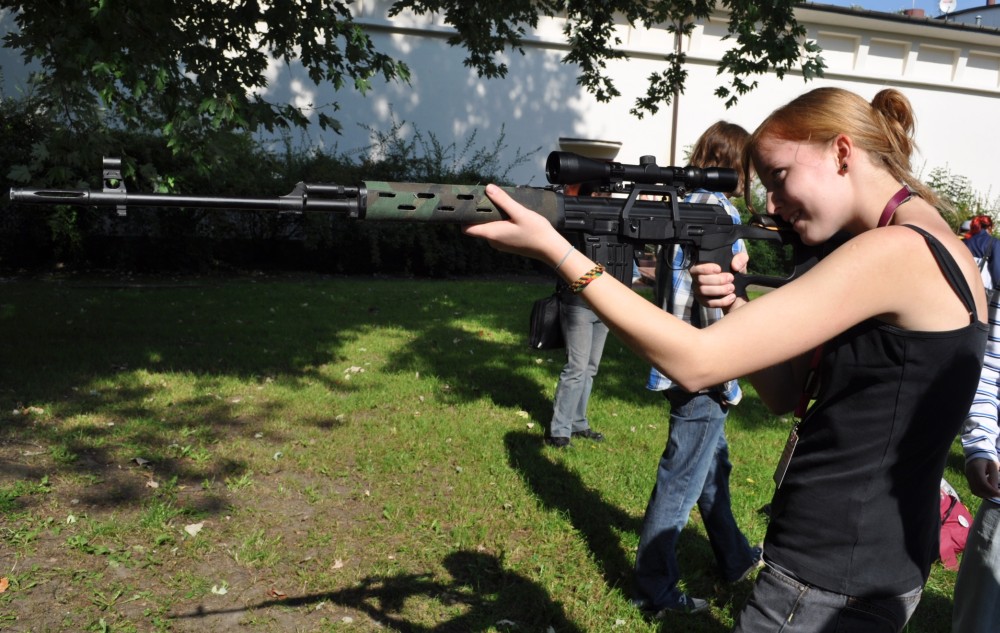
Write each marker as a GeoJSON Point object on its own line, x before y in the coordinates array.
{"type": "Point", "coordinates": [589, 276]}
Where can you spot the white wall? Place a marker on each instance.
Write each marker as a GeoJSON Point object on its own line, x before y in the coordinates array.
{"type": "Point", "coordinates": [950, 73]}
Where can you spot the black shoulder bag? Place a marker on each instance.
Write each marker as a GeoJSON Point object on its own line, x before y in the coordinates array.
{"type": "Point", "coordinates": [545, 331]}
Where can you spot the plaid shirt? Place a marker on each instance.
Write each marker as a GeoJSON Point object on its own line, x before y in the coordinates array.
{"type": "Point", "coordinates": [674, 294]}
{"type": "Point", "coordinates": [980, 432]}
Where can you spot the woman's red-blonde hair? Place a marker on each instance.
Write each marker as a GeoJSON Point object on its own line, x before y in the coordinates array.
{"type": "Point", "coordinates": [882, 128]}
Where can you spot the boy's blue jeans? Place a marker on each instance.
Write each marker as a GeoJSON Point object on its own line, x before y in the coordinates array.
{"type": "Point", "coordinates": [694, 469]}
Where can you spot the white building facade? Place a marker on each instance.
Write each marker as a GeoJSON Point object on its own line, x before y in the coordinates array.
{"type": "Point", "coordinates": [950, 70]}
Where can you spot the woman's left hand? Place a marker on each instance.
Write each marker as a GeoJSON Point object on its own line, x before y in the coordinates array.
{"type": "Point", "coordinates": [523, 233]}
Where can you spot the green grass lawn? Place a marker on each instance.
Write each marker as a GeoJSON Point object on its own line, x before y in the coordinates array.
{"type": "Point", "coordinates": [330, 454]}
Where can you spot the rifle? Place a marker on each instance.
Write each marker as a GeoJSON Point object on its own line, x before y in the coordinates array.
{"type": "Point", "coordinates": [645, 207]}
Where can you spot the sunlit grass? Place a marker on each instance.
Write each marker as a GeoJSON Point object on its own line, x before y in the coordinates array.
{"type": "Point", "coordinates": [297, 452]}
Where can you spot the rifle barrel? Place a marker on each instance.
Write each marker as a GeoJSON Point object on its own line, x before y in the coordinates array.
{"type": "Point", "coordinates": [296, 202]}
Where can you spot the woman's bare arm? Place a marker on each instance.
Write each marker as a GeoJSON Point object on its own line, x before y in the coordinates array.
{"type": "Point", "coordinates": [886, 275]}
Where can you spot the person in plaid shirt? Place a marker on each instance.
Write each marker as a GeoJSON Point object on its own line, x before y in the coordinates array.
{"type": "Point", "coordinates": [694, 467]}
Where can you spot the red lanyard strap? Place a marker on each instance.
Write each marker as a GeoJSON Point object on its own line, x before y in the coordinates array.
{"type": "Point", "coordinates": [901, 196]}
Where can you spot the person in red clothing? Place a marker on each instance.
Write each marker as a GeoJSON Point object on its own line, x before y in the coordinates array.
{"type": "Point", "coordinates": [985, 249]}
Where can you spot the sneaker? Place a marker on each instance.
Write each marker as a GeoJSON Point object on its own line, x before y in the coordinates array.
{"type": "Point", "coordinates": [589, 434]}
{"type": "Point", "coordinates": [758, 557]}
{"type": "Point", "coordinates": [558, 442]}
{"type": "Point", "coordinates": [687, 605]}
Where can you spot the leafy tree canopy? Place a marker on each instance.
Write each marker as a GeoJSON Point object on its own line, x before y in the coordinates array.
{"type": "Point", "coordinates": [765, 37]}
{"type": "Point", "coordinates": [191, 68]}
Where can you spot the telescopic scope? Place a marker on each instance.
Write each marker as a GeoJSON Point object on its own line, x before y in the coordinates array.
{"type": "Point", "coordinates": [567, 168]}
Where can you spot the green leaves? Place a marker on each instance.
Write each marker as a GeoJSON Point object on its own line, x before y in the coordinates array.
{"type": "Point", "coordinates": [188, 68]}
{"type": "Point", "coordinates": [192, 69]}
{"type": "Point", "coordinates": [19, 173]}
{"type": "Point", "coordinates": [767, 38]}
{"type": "Point", "coordinates": [766, 35]}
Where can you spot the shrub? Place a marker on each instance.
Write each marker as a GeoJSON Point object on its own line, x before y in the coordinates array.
{"type": "Point", "coordinates": [197, 239]}
{"type": "Point", "coordinates": [961, 200]}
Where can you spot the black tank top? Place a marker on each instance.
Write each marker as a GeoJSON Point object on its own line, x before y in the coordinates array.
{"type": "Point", "coordinates": [858, 512]}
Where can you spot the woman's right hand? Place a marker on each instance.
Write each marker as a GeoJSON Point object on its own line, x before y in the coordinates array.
{"type": "Point", "coordinates": [715, 288]}
{"type": "Point", "coordinates": [523, 233]}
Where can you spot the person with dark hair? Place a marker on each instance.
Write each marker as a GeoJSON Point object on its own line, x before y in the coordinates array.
{"type": "Point", "coordinates": [694, 467]}
{"type": "Point", "coordinates": [882, 340]}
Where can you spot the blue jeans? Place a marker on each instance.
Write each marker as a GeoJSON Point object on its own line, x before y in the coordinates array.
{"type": "Point", "coordinates": [977, 590]}
{"type": "Point", "coordinates": [779, 602]}
{"type": "Point", "coordinates": [694, 468]}
{"type": "Point", "coordinates": [585, 335]}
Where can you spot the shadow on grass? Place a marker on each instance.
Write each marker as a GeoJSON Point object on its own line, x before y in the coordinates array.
{"type": "Point", "coordinates": [511, 375]}
{"type": "Point", "coordinates": [112, 463]}
{"type": "Point", "coordinates": [101, 351]}
{"type": "Point", "coordinates": [562, 490]}
{"type": "Point", "coordinates": [89, 350]}
{"type": "Point", "coordinates": [932, 614]}
{"type": "Point", "coordinates": [489, 598]}
{"type": "Point", "coordinates": [600, 524]}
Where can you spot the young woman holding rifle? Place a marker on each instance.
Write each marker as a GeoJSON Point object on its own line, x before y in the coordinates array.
{"type": "Point", "coordinates": [885, 336]}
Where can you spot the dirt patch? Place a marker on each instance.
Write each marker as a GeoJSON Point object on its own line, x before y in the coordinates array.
{"type": "Point", "coordinates": [103, 544]}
